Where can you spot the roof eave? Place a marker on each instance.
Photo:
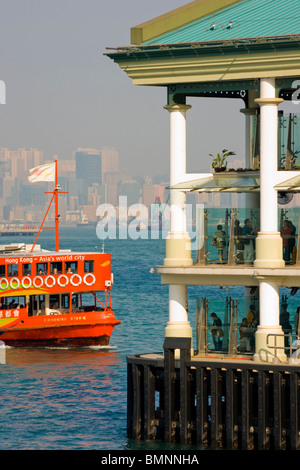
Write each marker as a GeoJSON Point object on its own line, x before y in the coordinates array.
{"type": "Point", "coordinates": [228, 46]}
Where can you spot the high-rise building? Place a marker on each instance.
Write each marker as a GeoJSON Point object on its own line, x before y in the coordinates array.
{"type": "Point", "coordinates": [88, 165]}
{"type": "Point", "coordinates": [66, 168]}
{"type": "Point", "coordinates": [110, 174]}
{"type": "Point", "coordinates": [21, 160]}
{"type": "Point", "coordinates": [110, 161]}
{"type": "Point", "coordinates": [153, 191]}
{"type": "Point", "coordinates": [132, 190]}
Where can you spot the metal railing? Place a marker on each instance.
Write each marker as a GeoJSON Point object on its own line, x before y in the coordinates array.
{"type": "Point", "coordinates": [291, 348]}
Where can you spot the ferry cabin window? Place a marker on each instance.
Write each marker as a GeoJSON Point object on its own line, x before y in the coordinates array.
{"type": "Point", "coordinates": [89, 266]}
{"type": "Point", "coordinates": [13, 302]}
{"type": "Point", "coordinates": [2, 271]}
{"type": "Point", "coordinates": [65, 301]}
{"type": "Point", "coordinates": [75, 300]}
{"type": "Point", "coordinates": [12, 270]}
{"type": "Point", "coordinates": [36, 305]}
{"type": "Point", "coordinates": [54, 301]}
{"type": "Point", "coordinates": [56, 268]}
{"type": "Point", "coordinates": [71, 267]}
{"type": "Point", "coordinates": [76, 307]}
{"type": "Point", "coordinates": [26, 269]}
{"type": "Point", "coordinates": [41, 269]}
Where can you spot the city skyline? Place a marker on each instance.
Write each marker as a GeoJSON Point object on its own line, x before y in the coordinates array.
{"type": "Point", "coordinates": [90, 178]}
{"type": "Point", "coordinates": [63, 92]}
{"type": "Point", "coordinates": [89, 187]}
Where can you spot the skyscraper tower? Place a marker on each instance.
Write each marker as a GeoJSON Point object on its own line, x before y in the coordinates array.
{"type": "Point", "coordinates": [88, 165]}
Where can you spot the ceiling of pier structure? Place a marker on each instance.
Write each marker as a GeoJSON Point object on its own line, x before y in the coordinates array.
{"type": "Point", "coordinates": [216, 42]}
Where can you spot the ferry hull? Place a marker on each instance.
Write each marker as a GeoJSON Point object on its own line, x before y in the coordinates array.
{"type": "Point", "coordinates": [62, 336]}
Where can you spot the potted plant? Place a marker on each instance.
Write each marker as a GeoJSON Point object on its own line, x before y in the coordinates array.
{"type": "Point", "coordinates": [219, 162]}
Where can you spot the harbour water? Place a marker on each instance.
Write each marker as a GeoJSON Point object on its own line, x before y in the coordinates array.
{"type": "Point", "coordinates": [66, 399]}
{"type": "Point", "coordinates": [75, 399]}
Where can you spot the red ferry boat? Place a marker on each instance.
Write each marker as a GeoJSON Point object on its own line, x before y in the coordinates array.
{"type": "Point", "coordinates": [58, 298]}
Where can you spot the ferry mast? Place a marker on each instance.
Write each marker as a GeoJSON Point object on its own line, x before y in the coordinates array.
{"type": "Point", "coordinates": [56, 191]}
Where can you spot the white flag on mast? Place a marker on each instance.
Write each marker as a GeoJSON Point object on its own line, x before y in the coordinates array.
{"type": "Point", "coordinates": [42, 173]}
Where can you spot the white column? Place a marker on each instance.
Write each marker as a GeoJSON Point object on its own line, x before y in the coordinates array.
{"type": "Point", "coordinates": [178, 243]}
{"type": "Point", "coordinates": [178, 304]}
{"type": "Point", "coordinates": [177, 166]}
{"type": "Point", "coordinates": [269, 332]}
{"type": "Point", "coordinates": [269, 304]}
{"type": "Point", "coordinates": [268, 157]}
{"type": "Point", "coordinates": [268, 243]}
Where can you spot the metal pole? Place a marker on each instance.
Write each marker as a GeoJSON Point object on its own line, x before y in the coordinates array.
{"type": "Point", "coordinates": [56, 210]}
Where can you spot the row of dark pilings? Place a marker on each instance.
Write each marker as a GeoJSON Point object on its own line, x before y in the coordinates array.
{"type": "Point", "coordinates": [212, 403]}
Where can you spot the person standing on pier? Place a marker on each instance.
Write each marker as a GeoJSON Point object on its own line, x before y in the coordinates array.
{"type": "Point", "coordinates": [217, 332]}
{"type": "Point", "coordinates": [248, 236]}
{"type": "Point", "coordinates": [238, 242]}
{"type": "Point", "coordinates": [292, 239]}
{"type": "Point", "coordinates": [252, 314]}
{"type": "Point", "coordinates": [286, 233]}
{"type": "Point", "coordinates": [220, 242]}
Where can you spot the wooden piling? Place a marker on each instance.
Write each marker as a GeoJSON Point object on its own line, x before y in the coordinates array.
{"type": "Point", "coordinates": [217, 403]}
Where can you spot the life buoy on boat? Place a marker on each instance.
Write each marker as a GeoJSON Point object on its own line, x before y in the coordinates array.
{"type": "Point", "coordinates": [6, 283]}
{"type": "Point", "coordinates": [12, 285]}
{"type": "Point", "coordinates": [26, 286]}
{"type": "Point", "coordinates": [92, 281]}
{"type": "Point", "coordinates": [40, 279]}
{"type": "Point", "coordinates": [48, 278]}
{"type": "Point", "coordinates": [60, 278]}
{"type": "Point", "coordinates": [74, 283]}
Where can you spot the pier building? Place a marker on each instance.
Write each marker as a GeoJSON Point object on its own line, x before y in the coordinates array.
{"type": "Point", "coordinates": [239, 387]}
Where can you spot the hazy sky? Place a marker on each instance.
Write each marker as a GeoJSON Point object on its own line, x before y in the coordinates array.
{"type": "Point", "coordinates": [62, 92]}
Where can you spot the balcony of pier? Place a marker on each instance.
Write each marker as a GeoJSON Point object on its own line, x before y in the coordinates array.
{"type": "Point", "coordinates": [227, 236]}
{"type": "Point", "coordinates": [223, 253]}
{"type": "Point", "coordinates": [226, 323]}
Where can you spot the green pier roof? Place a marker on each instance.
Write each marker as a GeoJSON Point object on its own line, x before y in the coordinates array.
{"type": "Point", "coordinates": [244, 19]}
{"type": "Point", "coordinates": [214, 41]}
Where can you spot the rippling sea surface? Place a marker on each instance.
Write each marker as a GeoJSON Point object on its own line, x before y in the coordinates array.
{"type": "Point", "coordinates": [75, 399]}
{"type": "Point", "coordinates": [68, 399]}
